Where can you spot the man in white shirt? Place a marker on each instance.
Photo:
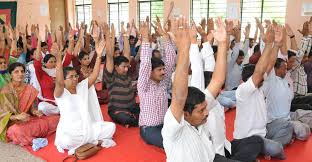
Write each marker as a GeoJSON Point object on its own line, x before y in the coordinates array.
{"type": "Point", "coordinates": [280, 128]}
{"type": "Point", "coordinates": [251, 111]}
{"type": "Point", "coordinates": [186, 136]}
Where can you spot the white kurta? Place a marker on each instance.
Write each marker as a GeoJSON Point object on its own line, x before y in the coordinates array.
{"type": "Point", "coordinates": [81, 120]}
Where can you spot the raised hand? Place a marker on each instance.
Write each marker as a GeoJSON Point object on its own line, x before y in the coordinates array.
{"type": "Point", "coordinates": [268, 37]}
{"type": "Point", "coordinates": [289, 30]}
{"type": "Point", "coordinates": [193, 33]}
{"type": "Point", "coordinates": [259, 25]}
{"type": "Point", "coordinates": [95, 34]}
{"type": "Point", "coordinates": [247, 31]}
{"type": "Point", "coordinates": [203, 24]}
{"type": "Point", "coordinates": [55, 49]}
{"type": "Point", "coordinates": [144, 31]}
{"type": "Point", "coordinates": [99, 47]}
{"type": "Point", "coordinates": [46, 28]}
{"type": "Point", "coordinates": [159, 28]}
{"type": "Point", "coordinates": [182, 37]}
{"type": "Point", "coordinates": [229, 26]}
{"type": "Point", "coordinates": [210, 25]}
{"type": "Point", "coordinates": [278, 35]}
{"type": "Point", "coordinates": [305, 29]}
{"type": "Point", "coordinates": [237, 34]}
{"type": "Point", "coordinates": [220, 33]}
{"type": "Point", "coordinates": [267, 23]}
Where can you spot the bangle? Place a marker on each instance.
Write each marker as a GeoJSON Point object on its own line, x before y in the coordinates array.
{"type": "Point", "coordinates": [293, 36]}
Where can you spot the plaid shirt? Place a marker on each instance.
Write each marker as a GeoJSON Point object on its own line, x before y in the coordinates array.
{"type": "Point", "coordinates": [153, 96]}
{"type": "Point", "coordinates": [298, 74]}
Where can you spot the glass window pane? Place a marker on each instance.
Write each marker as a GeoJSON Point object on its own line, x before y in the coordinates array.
{"type": "Point", "coordinates": [274, 9]}
{"type": "Point", "coordinates": [144, 10]}
{"type": "Point", "coordinates": [157, 9]}
{"type": "Point", "coordinates": [118, 12]}
{"type": "Point", "coordinates": [79, 2]}
{"type": "Point", "coordinates": [201, 9]}
{"type": "Point", "coordinates": [217, 8]}
{"type": "Point", "coordinates": [87, 2]}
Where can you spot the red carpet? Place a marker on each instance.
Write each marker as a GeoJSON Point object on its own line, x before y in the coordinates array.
{"type": "Point", "coordinates": [131, 148]}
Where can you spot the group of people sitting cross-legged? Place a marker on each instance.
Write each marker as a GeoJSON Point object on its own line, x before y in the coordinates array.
{"type": "Point", "coordinates": [174, 87]}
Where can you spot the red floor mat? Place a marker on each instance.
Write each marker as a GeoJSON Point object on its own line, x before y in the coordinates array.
{"type": "Point", "coordinates": [131, 148]}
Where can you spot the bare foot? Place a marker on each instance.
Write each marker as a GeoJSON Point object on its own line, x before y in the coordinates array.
{"type": "Point", "coordinates": [267, 157]}
{"type": "Point", "coordinates": [127, 125]}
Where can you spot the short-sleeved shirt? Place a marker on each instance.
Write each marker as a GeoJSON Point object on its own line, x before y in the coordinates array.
{"type": "Point", "coordinates": [120, 91]}
{"type": "Point", "coordinates": [278, 98]}
{"type": "Point", "coordinates": [183, 142]}
{"type": "Point", "coordinates": [251, 111]}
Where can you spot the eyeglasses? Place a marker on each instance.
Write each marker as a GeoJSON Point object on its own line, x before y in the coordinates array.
{"type": "Point", "coordinates": [73, 77]}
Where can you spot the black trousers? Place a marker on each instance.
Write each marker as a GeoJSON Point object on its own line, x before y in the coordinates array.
{"type": "Point", "coordinates": [246, 149]}
{"type": "Point", "coordinates": [126, 116]}
{"type": "Point", "coordinates": [220, 158]}
{"type": "Point", "coordinates": [301, 102]}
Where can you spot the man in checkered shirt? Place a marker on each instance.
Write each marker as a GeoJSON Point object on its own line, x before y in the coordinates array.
{"type": "Point", "coordinates": [154, 78]}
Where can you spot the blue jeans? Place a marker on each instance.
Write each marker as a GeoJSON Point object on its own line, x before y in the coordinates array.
{"type": "Point", "coordinates": [227, 98]}
{"type": "Point", "coordinates": [152, 135]}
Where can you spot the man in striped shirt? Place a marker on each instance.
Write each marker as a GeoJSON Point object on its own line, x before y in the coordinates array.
{"type": "Point", "coordinates": [122, 107]}
{"type": "Point", "coordinates": [154, 78]}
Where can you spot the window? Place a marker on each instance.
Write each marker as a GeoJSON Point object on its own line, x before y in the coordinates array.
{"type": "Point", "coordinates": [118, 11]}
{"type": "Point", "coordinates": [207, 8]}
{"type": "Point", "coordinates": [263, 9]}
{"type": "Point", "coordinates": [84, 11]}
{"type": "Point", "coordinates": [150, 8]}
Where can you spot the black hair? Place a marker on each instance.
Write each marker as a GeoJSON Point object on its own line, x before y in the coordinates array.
{"type": "Point", "coordinates": [28, 36]}
{"type": "Point", "coordinates": [194, 97]}
{"type": "Point", "coordinates": [116, 49]}
{"type": "Point", "coordinates": [215, 49]}
{"type": "Point", "coordinates": [43, 44]}
{"type": "Point", "coordinates": [131, 37]}
{"type": "Point", "coordinates": [66, 70]}
{"type": "Point", "coordinates": [47, 57]}
{"type": "Point", "coordinates": [120, 59]}
{"type": "Point", "coordinates": [241, 53]}
{"type": "Point", "coordinates": [81, 55]}
{"type": "Point", "coordinates": [13, 66]}
{"type": "Point", "coordinates": [291, 54]}
{"type": "Point", "coordinates": [256, 48]}
{"type": "Point", "coordinates": [156, 62]}
{"type": "Point", "coordinates": [154, 51]}
{"type": "Point", "coordinates": [207, 76]}
{"type": "Point", "coordinates": [247, 72]}
{"type": "Point", "coordinates": [278, 63]}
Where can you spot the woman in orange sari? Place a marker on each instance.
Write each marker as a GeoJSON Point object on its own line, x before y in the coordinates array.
{"type": "Point", "coordinates": [20, 121]}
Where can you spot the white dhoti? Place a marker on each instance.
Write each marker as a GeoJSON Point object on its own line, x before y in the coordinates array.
{"type": "Point", "coordinates": [81, 120]}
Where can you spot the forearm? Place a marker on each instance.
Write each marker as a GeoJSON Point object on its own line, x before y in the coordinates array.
{"type": "Point", "coordinates": [180, 84]}
{"type": "Point", "coordinates": [272, 58]}
{"type": "Point", "coordinates": [262, 64]}
{"type": "Point", "coordinates": [126, 48]}
{"type": "Point", "coordinates": [293, 44]}
{"type": "Point", "coordinates": [95, 73]}
{"type": "Point", "coordinates": [221, 65]}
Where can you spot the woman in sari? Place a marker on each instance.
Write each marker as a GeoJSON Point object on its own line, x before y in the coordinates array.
{"type": "Point", "coordinates": [20, 121]}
